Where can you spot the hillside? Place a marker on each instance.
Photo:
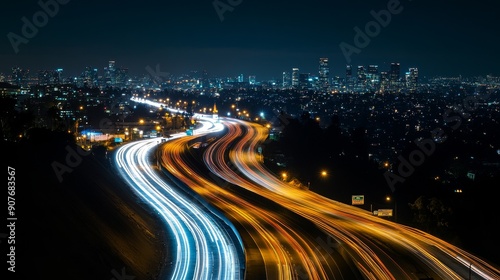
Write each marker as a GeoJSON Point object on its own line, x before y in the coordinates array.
{"type": "Point", "coordinates": [86, 224]}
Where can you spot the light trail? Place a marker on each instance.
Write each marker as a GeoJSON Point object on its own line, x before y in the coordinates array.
{"type": "Point", "coordinates": [204, 249]}
{"type": "Point", "coordinates": [215, 160]}
{"type": "Point", "coordinates": [278, 262]}
{"type": "Point", "coordinates": [286, 252]}
{"type": "Point", "coordinates": [156, 104]}
{"type": "Point", "coordinates": [369, 240]}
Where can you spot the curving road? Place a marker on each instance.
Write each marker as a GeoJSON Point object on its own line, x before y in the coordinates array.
{"type": "Point", "coordinates": [204, 247]}
{"type": "Point", "coordinates": [278, 245]}
{"type": "Point", "coordinates": [369, 247]}
{"type": "Point", "coordinates": [380, 249]}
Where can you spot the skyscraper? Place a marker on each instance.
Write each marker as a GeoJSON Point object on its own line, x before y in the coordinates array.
{"type": "Point", "coordinates": [373, 77]}
{"type": "Point", "coordinates": [252, 80]}
{"type": "Point", "coordinates": [349, 81]}
{"type": "Point", "coordinates": [324, 72]}
{"type": "Point", "coordinates": [412, 79]}
{"type": "Point", "coordinates": [361, 79]}
{"type": "Point", "coordinates": [372, 70]}
{"type": "Point", "coordinates": [384, 81]}
{"type": "Point", "coordinates": [110, 73]}
{"type": "Point", "coordinates": [304, 83]}
{"type": "Point", "coordinates": [295, 77]}
{"type": "Point", "coordinates": [89, 77]}
{"type": "Point", "coordinates": [286, 79]}
{"type": "Point", "coordinates": [394, 75]}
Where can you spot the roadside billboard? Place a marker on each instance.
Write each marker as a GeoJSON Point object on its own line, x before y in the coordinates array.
{"type": "Point", "coordinates": [358, 200]}
{"type": "Point", "coordinates": [384, 212]}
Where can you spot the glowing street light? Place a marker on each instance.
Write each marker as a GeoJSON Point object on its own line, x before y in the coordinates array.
{"type": "Point", "coordinates": [284, 176]}
{"type": "Point", "coordinates": [389, 199]}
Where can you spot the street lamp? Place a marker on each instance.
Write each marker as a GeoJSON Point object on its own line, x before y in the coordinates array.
{"type": "Point", "coordinates": [284, 176]}
{"type": "Point", "coordinates": [388, 199]}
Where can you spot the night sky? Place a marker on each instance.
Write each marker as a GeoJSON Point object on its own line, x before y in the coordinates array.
{"type": "Point", "coordinates": [262, 38]}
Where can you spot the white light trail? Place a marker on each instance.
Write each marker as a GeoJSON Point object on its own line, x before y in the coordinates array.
{"type": "Point", "coordinates": [204, 250]}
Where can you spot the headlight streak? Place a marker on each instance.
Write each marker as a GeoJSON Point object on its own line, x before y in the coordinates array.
{"type": "Point", "coordinates": [275, 244]}
{"type": "Point", "coordinates": [217, 151]}
{"type": "Point", "coordinates": [203, 249]}
{"type": "Point", "coordinates": [345, 222]}
{"type": "Point", "coordinates": [350, 226]}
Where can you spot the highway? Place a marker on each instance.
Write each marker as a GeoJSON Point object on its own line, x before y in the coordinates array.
{"type": "Point", "coordinates": [379, 248]}
{"type": "Point", "coordinates": [277, 244]}
{"type": "Point", "coordinates": [342, 241]}
{"type": "Point", "coordinates": [203, 244]}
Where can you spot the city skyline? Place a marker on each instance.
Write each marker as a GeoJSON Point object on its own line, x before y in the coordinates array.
{"type": "Point", "coordinates": [158, 69]}
{"type": "Point", "coordinates": [322, 69]}
{"type": "Point", "coordinates": [251, 37]}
